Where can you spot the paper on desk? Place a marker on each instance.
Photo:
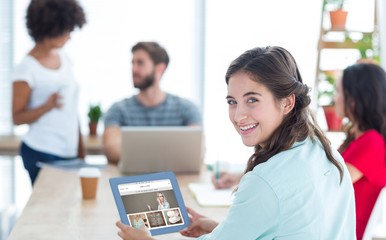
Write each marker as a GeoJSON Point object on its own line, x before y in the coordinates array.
{"type": "Point", "coordinates": [206, 195]}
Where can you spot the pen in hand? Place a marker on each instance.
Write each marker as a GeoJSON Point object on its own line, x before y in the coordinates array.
{"type": "Point", "coordinates": [221, 178]}
{"type": "Point", "coordinates": [217, 171]}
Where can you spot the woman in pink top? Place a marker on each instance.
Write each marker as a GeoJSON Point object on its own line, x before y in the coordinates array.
{"type": "Point", "coordinates": [362, 99]}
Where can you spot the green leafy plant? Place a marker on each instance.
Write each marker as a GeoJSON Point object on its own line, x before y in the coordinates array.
{"type": "Point", "coordinates": [336, 4]}
{"type": "Point", "coordinates": [365, 45]}
{"type": "Point", "coordinates": [94, 113]}
{"type": "Point", "coordinates": [327, 88]}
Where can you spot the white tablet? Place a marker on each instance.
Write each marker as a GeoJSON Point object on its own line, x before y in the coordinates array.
{"type": "Point", "coordinates": [150, 201]}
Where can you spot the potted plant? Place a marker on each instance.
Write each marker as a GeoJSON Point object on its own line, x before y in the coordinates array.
{"type": "Point", "coordinates": [368, 49]}
{"type": "Point", "coordinates": [94, 114]}
{"type": "Point", "coordinates": [338, 15]}
{"type": "Point", "coordinates": [326, 99]}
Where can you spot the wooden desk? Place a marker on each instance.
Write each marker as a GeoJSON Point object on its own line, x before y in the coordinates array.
{"type": "Point", "coordinates": [9, 145]}
{"type": "Point", "coordinates": [56, 210]}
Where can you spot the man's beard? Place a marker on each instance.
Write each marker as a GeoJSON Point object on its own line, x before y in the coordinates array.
{"type": "Point", "coordinates": [146, 82]}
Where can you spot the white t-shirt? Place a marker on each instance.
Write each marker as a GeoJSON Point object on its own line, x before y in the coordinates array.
{"type": "Point", "coordinates": [57, 131]}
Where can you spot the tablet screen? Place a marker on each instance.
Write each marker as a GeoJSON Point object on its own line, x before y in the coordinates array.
{"type": "Point", "coordinates": [151, 201]}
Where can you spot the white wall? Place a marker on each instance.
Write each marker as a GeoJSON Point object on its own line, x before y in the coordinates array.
{"type": "Point", "coordinates": [236, 26]}
{"type": "Point", "coordinates": [101, 51]}
{"type": "Point", "coordinates": [382, 30]}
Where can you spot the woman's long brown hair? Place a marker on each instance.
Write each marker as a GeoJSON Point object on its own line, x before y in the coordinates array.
{"type": "Point", "coordinates": [276, 69]}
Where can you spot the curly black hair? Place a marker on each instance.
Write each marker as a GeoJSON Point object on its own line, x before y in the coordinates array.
{"type": "Point", "coordinates": [53, 18]}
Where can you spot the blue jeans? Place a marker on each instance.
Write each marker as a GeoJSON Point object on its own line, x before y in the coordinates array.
{"type": "Point", "coordinates": [31, 157]}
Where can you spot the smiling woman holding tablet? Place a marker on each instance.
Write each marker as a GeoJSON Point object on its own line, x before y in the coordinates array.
{"type": "Point", "coordinates": [294, 186]}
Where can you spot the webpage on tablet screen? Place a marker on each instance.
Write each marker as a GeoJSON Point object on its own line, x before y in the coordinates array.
{"type": "Point", "coordinates": [150, 204]}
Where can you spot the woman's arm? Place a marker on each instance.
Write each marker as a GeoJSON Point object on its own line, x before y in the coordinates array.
{"type": "Point", "coordinates": [112, 143]}
{"type": "Point", "coordinates": [199, 225]}
{"type": "Point", "coordinates": [81, 150]}
{"type": "Point", "coordinates": [354, 172]}
{"type": "Point", "coordinates": [253, 213]}
{"type": "Point", "coordinates": [20, 99]}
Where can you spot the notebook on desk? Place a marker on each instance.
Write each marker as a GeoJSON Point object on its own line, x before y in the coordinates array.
{"type": "Point", "coordinates": [207, 196]}
{"type": "Point", "coordinates": [156, 149]}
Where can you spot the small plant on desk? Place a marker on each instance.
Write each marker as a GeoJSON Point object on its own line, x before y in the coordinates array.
{"type": "Point", "coordinates": [94, 114]}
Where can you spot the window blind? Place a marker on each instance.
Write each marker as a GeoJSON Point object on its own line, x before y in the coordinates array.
{"type": "Point", "coordinates": [6, 52]}
{"type": "Point", "coordinates": [381, 8]}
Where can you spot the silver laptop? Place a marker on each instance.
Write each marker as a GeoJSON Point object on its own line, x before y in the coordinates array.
{"type": "Point", "coordinates": [155, 149]}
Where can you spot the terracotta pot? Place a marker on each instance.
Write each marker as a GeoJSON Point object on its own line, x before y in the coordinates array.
{"type": "Point", "coordinates": [334, 123]}
{"type": "Point", "coordinates": [93, 128]}
{"type": "Point", "coordinates": [338, 19]}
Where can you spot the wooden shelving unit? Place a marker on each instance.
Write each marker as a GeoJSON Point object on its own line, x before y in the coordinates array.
{"type": "Point", "coordinates": [326, 42]}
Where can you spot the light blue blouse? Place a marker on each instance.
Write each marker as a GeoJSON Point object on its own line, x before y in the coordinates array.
{"type": "Point", "coordinates": [163, 206]}
{"type": "Point", "coordinates": [294, 195]}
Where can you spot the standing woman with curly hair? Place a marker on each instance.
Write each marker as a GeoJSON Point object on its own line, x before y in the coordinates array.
{"type": "Point", "coordinates": [45, 92]}
{"type": "Point", "coordinates": [362, 99]}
